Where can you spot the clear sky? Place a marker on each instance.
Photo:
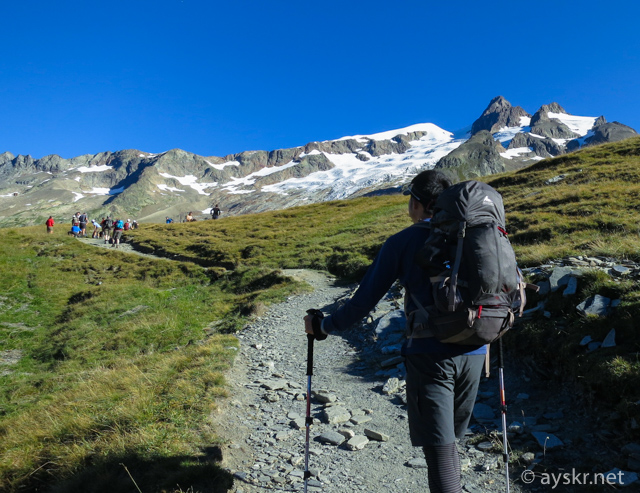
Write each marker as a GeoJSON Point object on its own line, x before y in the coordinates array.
{"type": "Point", "coordinates": [219, 77]}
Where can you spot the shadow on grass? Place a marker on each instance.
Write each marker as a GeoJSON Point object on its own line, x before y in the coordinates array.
{"type": "Point", "coordinates": [132, 474]}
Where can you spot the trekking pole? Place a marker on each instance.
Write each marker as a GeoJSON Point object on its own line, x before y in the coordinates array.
{"type": "Point", "coordinates": [503, 409]}
{"type": "Point", "coordinates": [309, 420]}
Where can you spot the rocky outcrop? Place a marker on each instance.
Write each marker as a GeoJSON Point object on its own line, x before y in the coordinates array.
{"type": "Point", "coordinates": [396, 145]}
{"type": "Point", "coordinates": [280, 157]}
{"type": "Point", "coordinates": [543, 113]}
{"type": "Point", "coordinates": [381, 147]}
{"type": "Point", "coordinates": [609, 132]}
{"type": "Point", "coordinates": [601, 133]}
{"type": "Point", "coordinates": [344, 146]}
{"type": "Point", "coordinates": [306, 166]}
{"type": "Point", "coordinates": [551, 128]}
{"type": "Point", "coordinates": [499, 114]}
{"type": "Point", "coordinates": [479, 156]}
{"type": "Point", "coordinates": [539, 147]}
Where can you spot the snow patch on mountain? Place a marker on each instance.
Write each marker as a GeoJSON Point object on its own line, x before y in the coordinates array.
{"type": "Point", "coordinates": [578, 124]}
{"type": "Point", "coordinates": [191, 181]}
{"type": "Point", "coordinates": [519, 152]}
{"type": "Point", "coordinates": [434, 131]}
{"type": "Point", "coordinates": [167, 188]}
{"type": "Point", "coordinates": [506, 134]}
{"type": "Point", "coordinates": [350, 174]}
{"type": "Point", "coordinates": [92, 169]}
{"type": "Point", "coordinates": [220, 167]}
{"type": "Point", "coordinates": [105, 191]}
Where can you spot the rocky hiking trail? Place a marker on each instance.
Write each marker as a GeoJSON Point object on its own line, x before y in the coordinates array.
{"type": "Point", "coordinates": [357, 390]}
{"type": "Point", "coordinates": [359, 437]}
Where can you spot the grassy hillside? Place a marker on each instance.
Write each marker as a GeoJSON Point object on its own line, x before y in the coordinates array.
{"type": "Point", "coordinates": [593, 210]}
{"type": "Point", "coordinates": [340, 236]}
{"type": "Point", "coordinates": [111, 363]}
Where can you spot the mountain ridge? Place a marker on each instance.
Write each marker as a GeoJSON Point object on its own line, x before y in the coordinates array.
{"type": "Point", "coordinates": [149, 186]}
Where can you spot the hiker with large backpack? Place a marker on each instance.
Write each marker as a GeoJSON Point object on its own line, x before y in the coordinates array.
{"type": "Point", "coordinates": [107, 226]}
{"type": "Point", "coordinates": [118, 228]}
{"type": "Point", "coordinates": [443, 371]}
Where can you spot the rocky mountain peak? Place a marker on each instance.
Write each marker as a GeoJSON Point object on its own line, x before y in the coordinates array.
{"type": "Point", "coordinates": [6, 157]}
{"type": "Point", "coordinates": [542, 115]}
{"type": "Point", "coordinates": [497, 115]}
{"type": "Point", "coordinates": [601, 120]}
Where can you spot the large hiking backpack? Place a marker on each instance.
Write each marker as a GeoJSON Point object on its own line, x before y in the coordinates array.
{"type": "Point", "coordinates": [476, 284]}
{"type": "Point", "coordinates": [108, 223]}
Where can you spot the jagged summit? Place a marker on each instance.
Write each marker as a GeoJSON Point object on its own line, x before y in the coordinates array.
{"type": "Point", "coordinates": [149, 187]}
{"type": "Point", "coordinates": [499, 114]}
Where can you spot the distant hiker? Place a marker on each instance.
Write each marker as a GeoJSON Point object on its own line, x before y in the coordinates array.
{"type": "Point", "coordinates": [106, 229]}
{"type": "Point", "coordinates": [75, 230]}
{"type": "Point", "coordinates": [83, 219]}
{"type": "Point", "coordinates": [50, 222]}
{"type": "Point", "coordinates": [127, 225]}
{"type": "Point", "coordinates": [96, 228]}
{"type": "Point", "coordinates": [190, 217]}
{"type": "Point", "coordinates": [134, 224]}
{"type": "Point", "coordinates": [215, 212]}
{"type": "Point", "coordinates": [118, 227]}
{"type": "Point", "coordinates": [442, 379]}
{"type": "Point", "coordinates": [168, 220]}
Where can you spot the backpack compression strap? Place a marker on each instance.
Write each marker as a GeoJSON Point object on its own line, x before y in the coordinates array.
{"type": "Point", "coordinates": [456, 267]}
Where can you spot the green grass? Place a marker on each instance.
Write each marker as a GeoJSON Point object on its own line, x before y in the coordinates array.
{"type": "Point", "coordinates": [341, 237]}
{"type": "Point", "coordinates": [122, 362]}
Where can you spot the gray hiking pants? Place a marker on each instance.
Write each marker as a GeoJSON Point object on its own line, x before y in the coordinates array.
{"type": "Point", "coordinates": [441, 393]}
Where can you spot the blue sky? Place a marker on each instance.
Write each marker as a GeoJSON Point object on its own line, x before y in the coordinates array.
{"type": "Point", "coordinates": [216, 78]}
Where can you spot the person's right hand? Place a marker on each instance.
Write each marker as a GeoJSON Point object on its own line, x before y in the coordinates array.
{"type": "Point", "coordinates": [313, 324]}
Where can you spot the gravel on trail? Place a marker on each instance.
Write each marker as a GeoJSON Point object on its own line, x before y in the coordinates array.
{"type": "Point", "coordinates": [359, 438]}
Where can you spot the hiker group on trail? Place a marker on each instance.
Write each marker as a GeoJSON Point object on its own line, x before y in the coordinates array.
{"type": "Point", "coordinates": [112, 229]}
{"type": "Point", "coordinates": [456, 303]}
{"type": "Point", "coordinates": [107, 228]}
